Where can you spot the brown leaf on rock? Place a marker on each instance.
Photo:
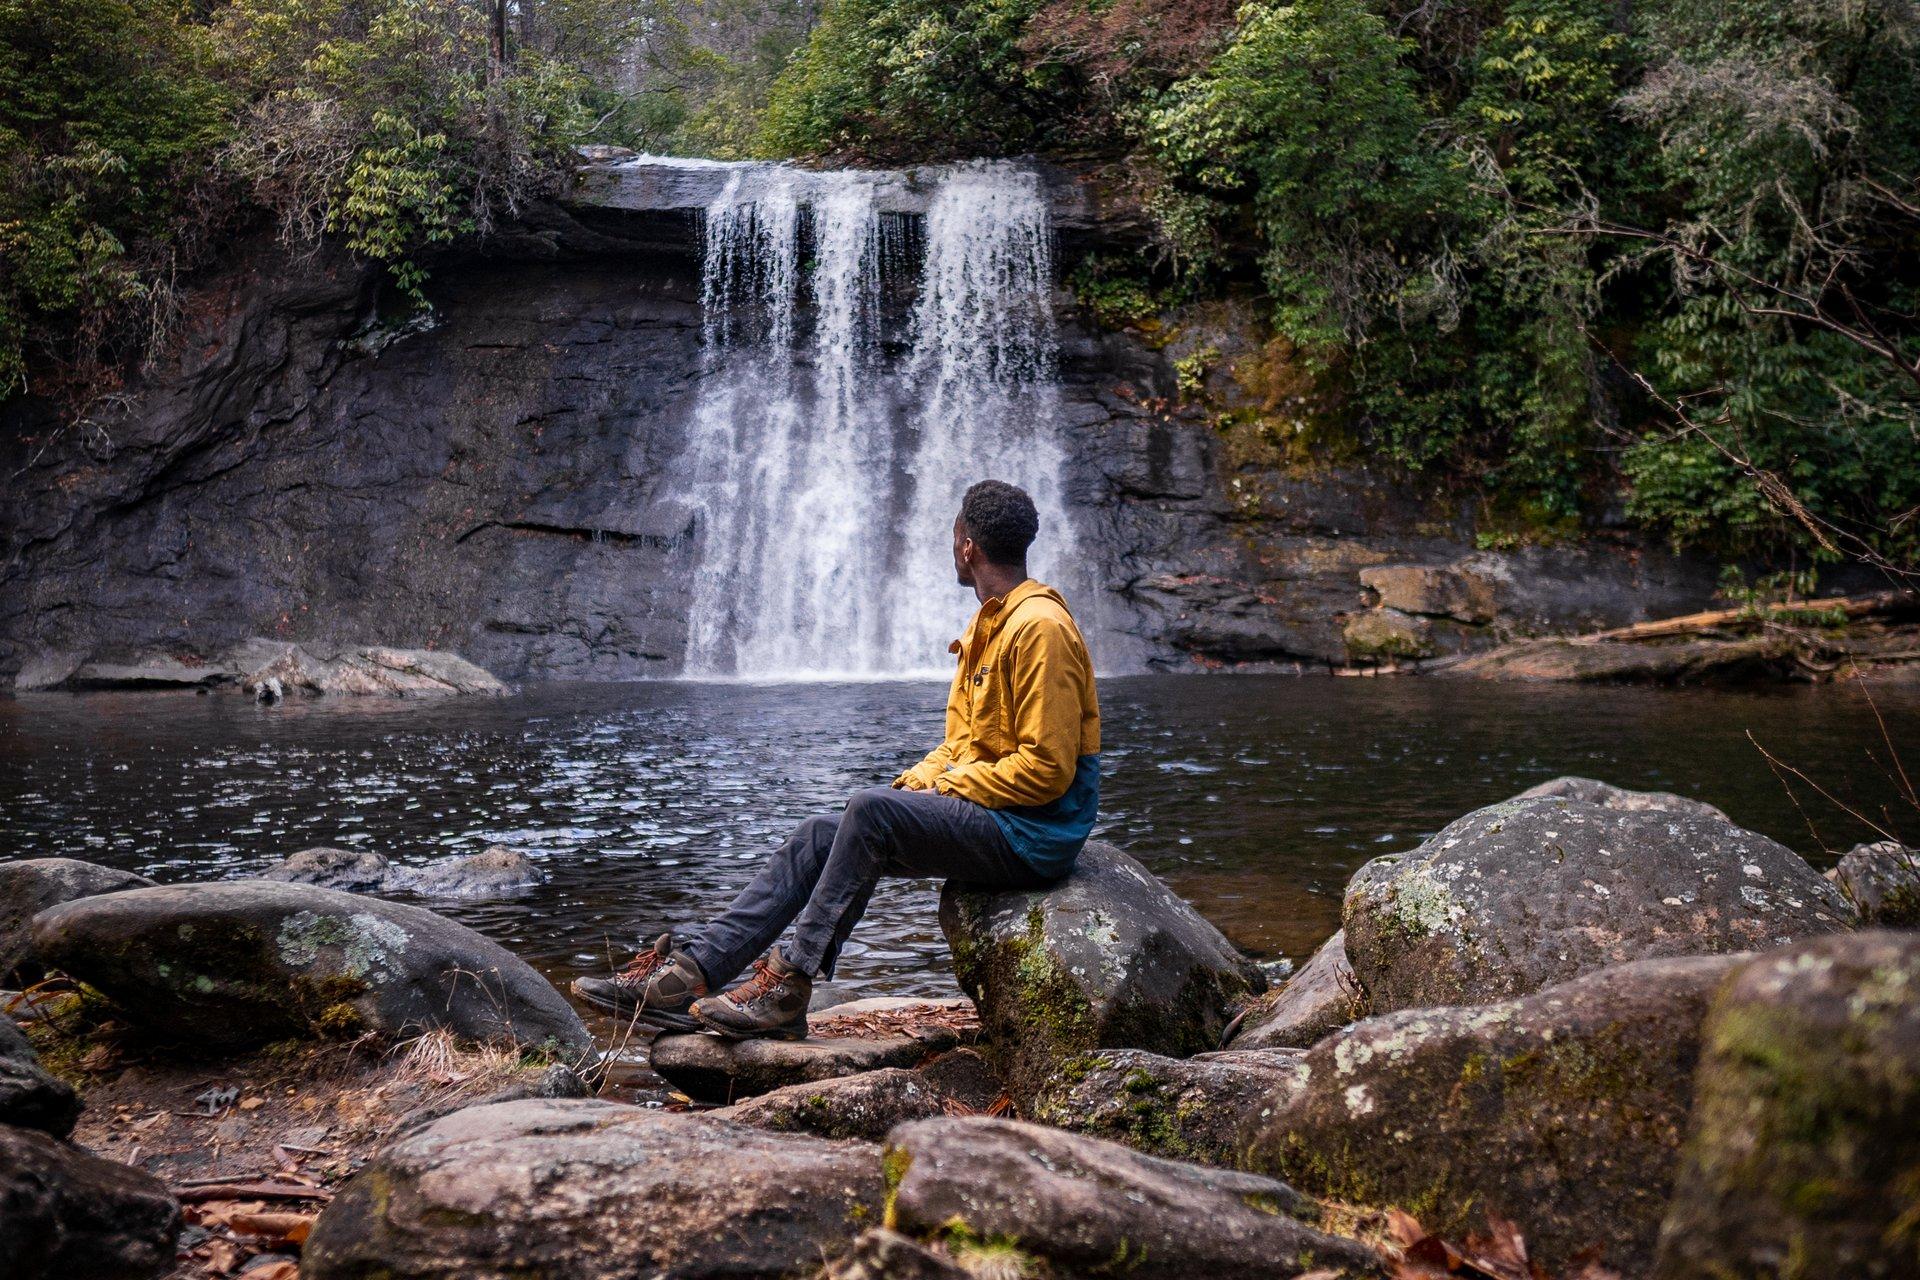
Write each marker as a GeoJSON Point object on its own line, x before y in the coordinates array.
{"type": "Point", "coordinates": [1501, 1253]}
{"type": "Point", "coordinates": [274, 1228]}
{"type": "Point", "coordinates": [278, 1269]}
{"type": "Point", "coordinates": [1403, 1228]}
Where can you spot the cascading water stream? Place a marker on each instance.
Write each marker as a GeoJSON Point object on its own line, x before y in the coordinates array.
{"type": "Point", "coordinates": [827, 474]}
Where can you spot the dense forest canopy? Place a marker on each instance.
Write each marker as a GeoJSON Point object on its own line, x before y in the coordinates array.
{"type": "Point", "coordinates": [1584, 258]}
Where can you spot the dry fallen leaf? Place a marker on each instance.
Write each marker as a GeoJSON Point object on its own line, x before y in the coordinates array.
{"type": "Point", "coordinates": [222, 1257]}
{"type": "Point", "coordinates": [278, 1269]}
{"type": "Point", "coordinates": [276, 1228]}
{"type": "Point", "coordinates": [252, 1104]}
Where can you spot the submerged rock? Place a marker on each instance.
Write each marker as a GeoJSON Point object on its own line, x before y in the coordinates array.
{"type": "Point", "coordinates": [251, 961]}
{"type": "Point", "coordinates": [1803, 1153]}
{"type": "Point", "coordinates": [1882, 880]}
{"type": "Point", "coordinates": [1519, 895]}
{"type": "Point", "coordinates": [1110, 958]}
{"type": "Point", "coordinates": [1561, 1111]}
{"type": "Point", "coordinates": [589, 1190]}
{"type": "Point", "coordinates": [1182, 1108]}
{"type": "Point", "coordinates": [1319, 999]}
{"type": "Point", "coordinates": [30, 1097]}
{"type": "Point", "coordinates": [1090, 1207]}
{"type": "Point", "coordinates": [67, 1215]}
{"type": "Point", "coordinates": [349, 870]}
{"type": "Point", "coordinates": [31, 885]}
{"type": "Point", "coordinates": [496, 869]}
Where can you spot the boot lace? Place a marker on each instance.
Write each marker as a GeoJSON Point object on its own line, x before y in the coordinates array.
{"type": "Point", "coordinates": [765, 978]}
{"type": "Point", "coordinates": [640, 968]}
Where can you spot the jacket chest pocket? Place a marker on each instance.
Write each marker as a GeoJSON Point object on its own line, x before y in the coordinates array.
{"type": "Point", "coordinates": [991, 707]}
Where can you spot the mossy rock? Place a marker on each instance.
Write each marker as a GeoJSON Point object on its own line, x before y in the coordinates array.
{"type": "Point", "coordinates": [246, 963]}
{"type": "Point", "coordinates": [1533, 891]}
{"type": "Point", "coordinates": [1561, 1111]}
{"type": "Point", "coordinates": [1883, 881]}
{"type": "Point", "coordinates": [1802, 1158]}
{"type": "Point", "coordinates": [30, 886]}
{"type": "Point", "coordinates": [1109, 958]}
{"type": "Point", "coordinates": [1200, 1109]}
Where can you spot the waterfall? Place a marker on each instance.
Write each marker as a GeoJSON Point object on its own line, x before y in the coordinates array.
{"type": "Point", "coordinates": [833, 435]}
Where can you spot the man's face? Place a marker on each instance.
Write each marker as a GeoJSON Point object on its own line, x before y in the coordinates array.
{"type": "Point", "coordinates": [963, 552]}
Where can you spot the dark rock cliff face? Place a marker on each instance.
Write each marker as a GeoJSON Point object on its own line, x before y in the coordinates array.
{"type": "Point", "coordinates": [498, 483]}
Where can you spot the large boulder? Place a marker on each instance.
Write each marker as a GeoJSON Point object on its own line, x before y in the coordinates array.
{"type": "Point", "coordinates": [1803, 1154]}
{"type": "Point", "coordinates": [1445, 592]}
{"type": "Point", "coordinates": [67, 1215]}
{"type": "Point", "coordinates": [1561, 1111]}
{"type": "Point", "coordinates": [365, 671]}
{"type": "Point", "coordinates": [1109, 958]}
{"type": "Point", "coordinates": [1608, 796]}
{"type": "Point", "coordinates": [31, 885]}
{"type": "Point", "coordinates": [1523, 894]}
{"type": "Point", "coordinates": [1182, 1108]}
{"type": "Point", "coordinates": [1092, 1207]}
{"type": "Point", "coordinates": [1882, 880]}
{"type": "Point", "coordinates": [250, 961]}
{"type": "Point", "coordinates": [586, 1190]}
{"type": "Point", "coordinates": [31, 1098]}
{"type": "Point", "coordinates": [1319, 999]}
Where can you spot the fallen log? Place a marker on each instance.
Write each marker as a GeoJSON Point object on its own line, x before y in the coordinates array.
{"type": "Point", "coordinates": [1688, 624]}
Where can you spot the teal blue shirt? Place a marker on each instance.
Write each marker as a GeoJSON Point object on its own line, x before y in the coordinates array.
{"type": "Point", "coordinates": [1048, 836]}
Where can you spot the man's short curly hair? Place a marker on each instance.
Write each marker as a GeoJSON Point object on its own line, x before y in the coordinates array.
{"type": "Point", "coordinates": [1001, 520]}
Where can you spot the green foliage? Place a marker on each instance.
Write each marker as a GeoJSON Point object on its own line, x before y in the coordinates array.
{"type": "Point", "coordinates": [106, 107]}
{"type": "Point", "coordinates": [919, 79]}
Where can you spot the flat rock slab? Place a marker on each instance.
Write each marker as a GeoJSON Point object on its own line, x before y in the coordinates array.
{"type": "Point", "coordinates": [589, 1190]}
{"type": "Point", "coordinates": [1523, 894]}
{"type": "Point", "coordinates": [251, 961]}
{"type": "Point", "coordinates": [1561, 1111]}
{"type": "Point", "coordinates": [870, 1104]}
{"type": "Point", "coordinates": [714, 1069]}
{"type": "Point", "coordinates": [1087, 1206]}
{"type": "Point", "coordinates": [31, 885]}
{"type": "Point", "coordinates": [67, 1215]}
{"type": "Point", "coordinates": [1109, 958]}
{"type": "Point", "coordinates": [1803, 1151]}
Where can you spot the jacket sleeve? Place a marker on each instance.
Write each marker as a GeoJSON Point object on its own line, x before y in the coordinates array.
{"type": "Point", "coordinates": [921, 776]}
{"type": "Point", "coordinates": [1049, 676]}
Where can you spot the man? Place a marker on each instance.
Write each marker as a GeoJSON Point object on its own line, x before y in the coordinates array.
{"type": "Point", "coordinates": [1006, 800]}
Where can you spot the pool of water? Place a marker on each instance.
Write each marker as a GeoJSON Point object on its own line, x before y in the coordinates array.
{"type": "Point", "coordinates": [650, 804]}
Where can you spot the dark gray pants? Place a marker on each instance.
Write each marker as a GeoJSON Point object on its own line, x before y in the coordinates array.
{"type": "Point", "coordinates": [821, 878]}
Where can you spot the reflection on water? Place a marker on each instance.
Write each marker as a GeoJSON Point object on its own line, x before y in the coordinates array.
{"type": "Point", "coordinates": [650, 804]}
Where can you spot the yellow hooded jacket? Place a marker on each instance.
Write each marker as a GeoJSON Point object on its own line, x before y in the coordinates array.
{"type": "Point", "coordinates": [1023, 726]}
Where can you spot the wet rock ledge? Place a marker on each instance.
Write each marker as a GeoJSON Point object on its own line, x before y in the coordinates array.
{"type": "Point", "coordinates": [1610, 1029]}
{"type": "Point", "coordinates": [269, 670]}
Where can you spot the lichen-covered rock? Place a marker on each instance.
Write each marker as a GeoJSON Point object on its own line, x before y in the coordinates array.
{"type": "Point", "coordinates": [1321, 998]}
{"type": "Point", "coordinates": [251, 961]}
{"type": "Point", "coordinates": [1522, 894]}
{"type": "Point", "coordinates": [1382, 635]}
{"type": "Point", "coordinates": [1802, 1157]}
{"type": "Point", "coordinates": [1608, 796]}
{"type": "Point", "coordinates": [1882, 880]}
{"type": "Point", "coordinates": [1182, 1108]}
{"type": "Point", "coordinates": [1086, 1206]}
{"type": "Point", "coordinates": [1109, 958]}
{"type": "Point", "coordinates": [67, 1215]}
{"type": "Point", "coordinates": [30, 1098]}
{"type": "Point", "coordinates": [589, 1190]}
{"type": "Point", "coordinates": [349, 870]}
{"type": "Point", "coordinates": [714, 1069]}
{"type": "Point", "coordinates": [31, 885]}
{"type": "Point", "coordinates": [1561, 1111]}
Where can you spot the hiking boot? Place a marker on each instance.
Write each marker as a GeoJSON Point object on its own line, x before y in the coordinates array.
{"type": "Point", "coordinates": [658, 987]}
{"type": "Point", "coordinates": [772, 1004]}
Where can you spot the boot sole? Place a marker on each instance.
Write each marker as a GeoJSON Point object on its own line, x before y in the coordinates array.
{"type": "Point", "coordinates": [768, 1033]}
{"type": "Point", "coordinates": [660, 1018]}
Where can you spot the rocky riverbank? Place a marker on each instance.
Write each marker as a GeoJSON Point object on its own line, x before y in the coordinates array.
{"type": "Point", "coordinates": [1586, 1031]}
